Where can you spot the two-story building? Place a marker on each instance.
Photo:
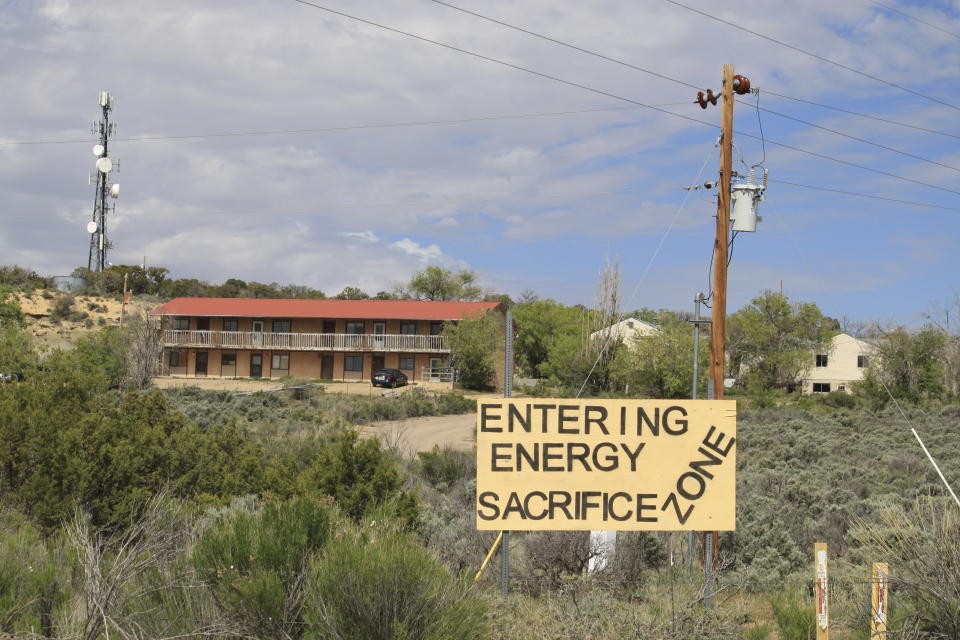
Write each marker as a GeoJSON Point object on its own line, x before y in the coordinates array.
{"type": "Point", "coordinates": [843, 361]}
{"type": "Point", "coordinates": [326, 339]}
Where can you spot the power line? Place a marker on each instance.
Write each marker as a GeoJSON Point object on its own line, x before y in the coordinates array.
{"type": "Point", "coordinates": [814, 55]}
{"type": "Point", "coordinates": [441, 202]}
{"type": "Point", "coordinates": [566, 44]}
{"type": "Point", "coordinates": [915, 18]}
{"type": "Point", "coordinates": [847, 135]}
{"type": "Point", "coordinates": [373, 205]}
{"type": "Point", "coordinates": [346, 128]}
{"type": "Point", "coordinates": [665, 77]}
{"type": "Point", "coordinates": [862, 115]}
{"type": "Point", "coordinates": [611, 95]}
{"type": "Point", "coordinates": [867, 195]}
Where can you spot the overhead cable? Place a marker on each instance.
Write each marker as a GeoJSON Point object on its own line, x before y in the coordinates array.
{"type": "Point", "coordinates": [915, 18]}
{"type": "Point", "coordinates": [847, 135]}
{"type": "Point", "coordinates": [613, 95]}
{"type": "Point", "coordinates": [863, 115]}
{"type": "Point", "coordinates": [388, 125]}
{"type": "Point", "coordinates": [814, 55]}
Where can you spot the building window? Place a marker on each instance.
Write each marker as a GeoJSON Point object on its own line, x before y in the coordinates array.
{"type": "Point", "coordinates": [841, 387]}
{"type": "Point", "coordinates": [821, 387]}
{"type": "Point", "coordinates": [436, 328]}
{"type": "Point", "coordinates": [181, 324]}
{"type": "Point", "coordinates": [821, 360]}
{"type": "Point", "coordinates": [408, 328]}
{"type": "Point", "coordinates": [281, 326]}
{"type": "Point", "coordinates": [280, 362]}
{"type": "Point", "coordinates": [175, 359]}
{"type": "Point", "coordinates": [353, 363]}
{"type": "Point", "coordinates": [231, 324]}
{"type": "Point", "coordinates": [355, 328]}
{"type": "Point", "coordinates": [863, 361]}
{"type": "Point", "coordinates": [228, 360]}
{"type": "Point", "coordinates": [630, 324]}
{"type": "Point", "coordinates": [406, 364]}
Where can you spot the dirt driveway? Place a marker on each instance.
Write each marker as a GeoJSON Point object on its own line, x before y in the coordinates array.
{"type": "Point", "coordinates": [421, 434]}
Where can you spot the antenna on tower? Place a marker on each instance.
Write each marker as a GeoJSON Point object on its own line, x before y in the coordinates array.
{"type": "Point", "coordinates": [97, 227]}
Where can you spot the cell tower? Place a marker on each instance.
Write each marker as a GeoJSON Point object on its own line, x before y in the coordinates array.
{"type": "Point", "coordinates": [97, 227]}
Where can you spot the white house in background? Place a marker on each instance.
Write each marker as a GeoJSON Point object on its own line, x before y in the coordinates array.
{"type": "Point", "coordinates": [625, 330]}
{"type": "Point", "coordinates": [844, 360]}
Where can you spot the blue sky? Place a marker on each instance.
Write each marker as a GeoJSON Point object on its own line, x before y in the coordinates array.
{"type": "Point", "coordinates": [530, 203]}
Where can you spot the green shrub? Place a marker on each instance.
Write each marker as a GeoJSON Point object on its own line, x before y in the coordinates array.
{"type": "Point", "coordinates": [837, 399]}
{"type": "Point", "coordinates": [382, 585]}
{"type": "Point", "coordinates": [62, 307]}
{"type": "Point", "coordinates": [443, 467]}
{"type": "Point", "coordinates": [33, 582]}
{"type": "Point", "coordinates": [358, 475]}
{"type": "Point", "coordinates": [795, 618]}
{"type": "Point", "coordinates": [757, 632]}
{"type": "Point", "coordinates": [254, 563]}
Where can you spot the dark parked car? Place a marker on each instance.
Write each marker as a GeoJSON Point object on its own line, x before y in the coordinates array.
{"type": "Point", "coordinates": [388, 378]}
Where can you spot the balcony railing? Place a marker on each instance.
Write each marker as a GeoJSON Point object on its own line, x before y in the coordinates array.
{"type": "Point", "coordinates": [306, 341]}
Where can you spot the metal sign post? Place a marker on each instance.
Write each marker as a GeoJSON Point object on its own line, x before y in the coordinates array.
{"type": "Point", "coordinates": [507, 392]}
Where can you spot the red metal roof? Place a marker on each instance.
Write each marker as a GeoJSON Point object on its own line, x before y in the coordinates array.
{"type": "Point", "coordinates": [358, 309]}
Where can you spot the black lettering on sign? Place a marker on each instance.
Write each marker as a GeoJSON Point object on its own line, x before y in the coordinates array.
{"type": "Point", "coordinates": [717, 445]}
{"type": "Point", "coordinates": [698, 465]}
{"type": "Point", "coordinates": [563, 417]}
{"type": "Point", "coordinates": [701, 485]}
{"type": "Point", "coordinates": [556, 503]}
{"type": "Point", "coordinates": [681, 516]}
{"type": "Point", "coordinates": [499, 456]}
{"type": "Point", "coordinates": [526, 505]}
{"type": "Point", "coordinates": [587, 420]}
{"type": "Point", "coordinates": [679, 427]}
{"type": "Point", "coordinates": [544, 409]}
{"type": "Point", "coordinates": [484, 417]}
{"type": "Point", "coordinates": [652, 425]}
{"type": "Point", "coordinates": [613, 514]}
{"type": "Point", "coordinates": [533, 461]}
{"type": "Point", "coordinates": [514, 413]}
{"type": "Point", "coordinates": [488, 500]}
{"type": "Point", "coordinates": [641, 507]}
{"type": "Point", "coordinates": [633, 454]}
{"type": "Point", "coordinates": [513, 505]}
{"type": "Point", "coordinates": [583, 452]}
{"type": "Point", "coordinates": [547, 456]}
{"type": "Point", "coordinates": [588, 500]}
{"type": "Point", "coordinates": [612, 459]}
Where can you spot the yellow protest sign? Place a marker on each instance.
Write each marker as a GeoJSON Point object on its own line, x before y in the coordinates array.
{"type": "Point", "coordinates": [562, 464]}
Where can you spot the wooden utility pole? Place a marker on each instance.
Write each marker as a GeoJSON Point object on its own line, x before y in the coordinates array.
{"type": "Point", "coordinates": [718, 316]}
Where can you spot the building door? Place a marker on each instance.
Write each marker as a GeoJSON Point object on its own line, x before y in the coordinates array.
{"type": "Point", "coordinates": [329, 326]}
{"type": "Point", "coordinates": [256, 365]}
{"type": "Point", "coordinates": [435, 364]}
{"type": "Point", "coordinates": [378, 362]}
{"type": "Point", "coordinates": [256, 338]}
{"type": "Point", "coordinates": [379, 330]}
{"type": "Point", "coordinates": [200, 368]}
{"type": "Point", "coordinates": [326, 366]}
{"type": "Point", "coordinates": [203, 325]}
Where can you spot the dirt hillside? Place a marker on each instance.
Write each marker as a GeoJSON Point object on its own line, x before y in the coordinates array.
{"type": "Point", "coordinates": [56, 322]}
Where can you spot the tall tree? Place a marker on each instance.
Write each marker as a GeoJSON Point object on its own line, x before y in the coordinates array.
{"type": "Point", "coordinates": [473, 343]}
{"type": "Point", "coordinates": [770, 341]}
{"type": "Point", "coordinates": [660, 365]}
{"type": "Point", "coordinates": [437, 283]}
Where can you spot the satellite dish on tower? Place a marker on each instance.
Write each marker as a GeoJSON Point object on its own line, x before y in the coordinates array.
{"type": "Point", "coordinates": [98, 150]}
{"type": "Point", "coordinates": [104, 165]}
{"type": "Point", "coordinates": [91, 227]}
{"type": "Point", "coordinates": [115, 191]}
